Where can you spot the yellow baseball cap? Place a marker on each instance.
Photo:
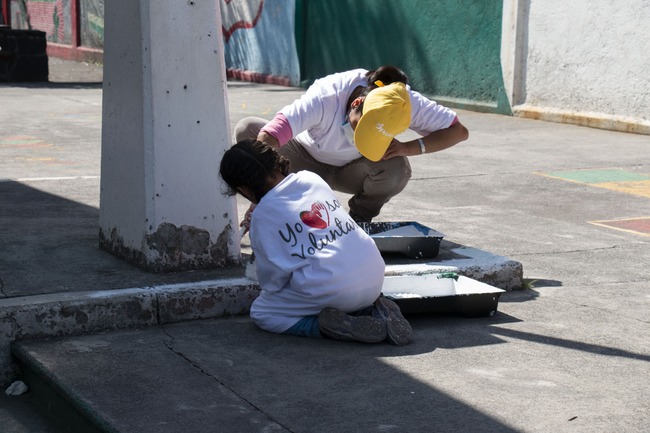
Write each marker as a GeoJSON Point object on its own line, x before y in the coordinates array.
{"type": "Point", "coordinates": [386, 113]}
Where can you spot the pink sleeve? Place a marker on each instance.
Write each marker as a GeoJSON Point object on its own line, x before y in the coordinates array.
{"type": "Point", "coordinates": [455, 121]}
{"type": "Point", "coordinates": [279, 128]}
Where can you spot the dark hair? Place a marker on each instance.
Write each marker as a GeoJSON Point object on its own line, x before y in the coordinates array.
{"type": "Point", "coordinates": [387, 74]}
{"type": "Point", "coordinates": [250, 163]}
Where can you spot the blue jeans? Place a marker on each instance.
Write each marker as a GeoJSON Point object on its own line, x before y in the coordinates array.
{"type": "Point", "coordinates": [306, 327]}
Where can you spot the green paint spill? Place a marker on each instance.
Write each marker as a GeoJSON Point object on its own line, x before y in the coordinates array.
{"type": "Point", "coordinates": [452, 275]}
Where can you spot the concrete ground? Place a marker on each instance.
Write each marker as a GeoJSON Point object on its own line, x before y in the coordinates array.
{"type": "Point", "coordinates": [570, 352]}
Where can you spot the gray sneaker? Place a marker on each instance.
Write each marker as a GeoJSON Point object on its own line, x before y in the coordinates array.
{"type": "Point", "coordinates": [337, 325]}
{"type": "Point", "coordinates": [397, 327]}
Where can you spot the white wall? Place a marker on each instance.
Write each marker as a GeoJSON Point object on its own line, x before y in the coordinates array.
{"type": "Point", "coordinates": [579, 61]}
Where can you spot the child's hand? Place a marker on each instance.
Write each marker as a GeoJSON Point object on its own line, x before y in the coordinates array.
{"type": "Point", "coordinates": [246, 223]}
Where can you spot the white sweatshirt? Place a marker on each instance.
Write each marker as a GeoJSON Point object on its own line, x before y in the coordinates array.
{"type": "Point", "coordinates": [309, 255]}
{"type": "Point", "coordinates": [317, 117]}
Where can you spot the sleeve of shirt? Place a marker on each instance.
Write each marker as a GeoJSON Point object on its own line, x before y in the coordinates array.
{"type": "Point", "coordinates": [274, 267]}
{"type": "Point", "coordinates": [279, 128]}
{"type": "Point", "coordinates": [271, 277]}
{"type": "Point", "coordinates": [306, 112]}
{"type": "Point", "coordinates": [428, 116]}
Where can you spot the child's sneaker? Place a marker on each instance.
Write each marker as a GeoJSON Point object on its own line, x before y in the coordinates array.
{"type": "Point", "coordinates": [336, 324]}
{"type": "Point", "coordinates": [397, 327]}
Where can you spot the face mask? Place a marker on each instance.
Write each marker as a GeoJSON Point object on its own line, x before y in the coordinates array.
{"type": "Point", "coordinates": [348, 132]}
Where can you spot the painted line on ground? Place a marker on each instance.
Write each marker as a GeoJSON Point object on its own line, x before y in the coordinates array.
{"type": "Point", "coordinates": [640, 226]}
{"type": "Point", "coordinates": [640, 188]}
{"type": "Point", "coordinates": [596, 176]}
{"type": "Point", "coordinates": [613, 179]}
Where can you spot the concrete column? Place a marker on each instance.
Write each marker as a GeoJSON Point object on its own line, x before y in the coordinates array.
{"type": "Point", "coordinates": [165, 128]}
{"type": "Point", "coordinates": [514, 49]}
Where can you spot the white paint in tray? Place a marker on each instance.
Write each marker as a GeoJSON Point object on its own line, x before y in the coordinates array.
{"type": "Point", "coordinates": [433, 285]}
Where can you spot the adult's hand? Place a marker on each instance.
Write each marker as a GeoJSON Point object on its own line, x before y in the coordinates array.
{"type": "Point", "coordinates": [268, 139]}
{"type": "Point", "coordinates": [434, 142]}
{"type": "Point", "coordinates": [398, 148]}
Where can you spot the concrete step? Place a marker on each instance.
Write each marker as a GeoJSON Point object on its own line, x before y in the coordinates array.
{"type": "Point", "coordinates": [226, 375]}
{"type": "Point", "coordinates": [61, 314]}
{"type": "Point", "coordinates": [176, 374]}
{"type": "Point", "coordinates": [132, 381]}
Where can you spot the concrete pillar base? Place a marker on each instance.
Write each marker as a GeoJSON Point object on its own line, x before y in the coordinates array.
{"type": "Point", "coordinates": [174, 249]}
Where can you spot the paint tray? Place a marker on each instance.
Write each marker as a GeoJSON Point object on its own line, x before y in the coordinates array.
{"type": "Point", "coordinates": [407, 238]}
{"type": "Point", "coordinates": [442, 293]}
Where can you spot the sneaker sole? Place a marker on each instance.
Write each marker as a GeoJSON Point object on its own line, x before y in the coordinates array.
{"type": "Point", "coordinates": [398, 329]}
{"type": "Point", "coordinates": [337, 325]}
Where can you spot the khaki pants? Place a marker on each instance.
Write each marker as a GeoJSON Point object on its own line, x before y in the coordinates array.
{"type": "Point", "coordinates": [372, 184]}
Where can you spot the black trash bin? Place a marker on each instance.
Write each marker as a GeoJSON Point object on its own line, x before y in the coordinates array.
{"type": "Point", "coordinates": [23, 55]}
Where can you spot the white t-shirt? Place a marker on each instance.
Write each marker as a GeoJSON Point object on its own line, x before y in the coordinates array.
{"type": "Point", "coordinates": [309, 255]}
{"type": "Point", "coordinates": [317, 117]}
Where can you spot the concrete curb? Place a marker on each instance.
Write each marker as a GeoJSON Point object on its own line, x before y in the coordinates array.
{"type": "Point", "coordinates": [56, 315]}
{"type": "Point", "coordinates": [61, 314]}
{"type": "Point", "coordinates": [593, 120]}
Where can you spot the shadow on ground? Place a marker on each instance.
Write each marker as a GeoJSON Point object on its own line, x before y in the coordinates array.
{"type": "Point", "coordinates": [46, 239]}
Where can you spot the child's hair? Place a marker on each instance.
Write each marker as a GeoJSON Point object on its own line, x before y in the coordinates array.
{"type": "Point", "coordinates": [250, 163]}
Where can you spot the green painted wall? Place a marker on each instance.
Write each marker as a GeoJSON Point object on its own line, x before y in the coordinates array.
{"type": "Point", "coordinates": [450, 49]}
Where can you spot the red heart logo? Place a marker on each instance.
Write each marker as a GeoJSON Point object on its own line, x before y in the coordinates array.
{"type": "Point", "coordinates": [314, 217]}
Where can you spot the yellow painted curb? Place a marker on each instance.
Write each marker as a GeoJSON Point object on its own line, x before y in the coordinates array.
{"type": "Point", "coordinates": [591, 119]}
